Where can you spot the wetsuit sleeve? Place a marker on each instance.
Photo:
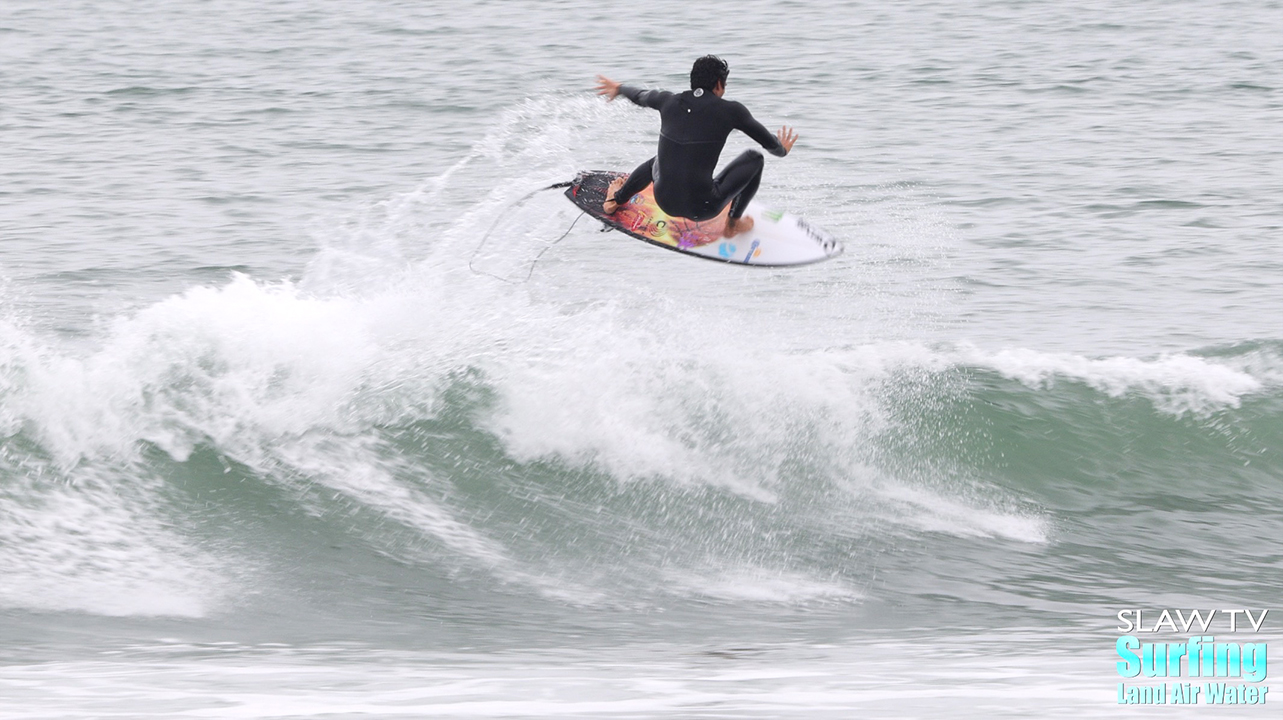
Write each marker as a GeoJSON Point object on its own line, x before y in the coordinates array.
{"type": "Point", "coordinates": [646, 98]}
{"type": "Point", "coordinates": [747, 124]}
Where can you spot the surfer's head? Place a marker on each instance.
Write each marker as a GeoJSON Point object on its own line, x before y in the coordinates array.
{"type": "Point", "coordinates": [709, 72]}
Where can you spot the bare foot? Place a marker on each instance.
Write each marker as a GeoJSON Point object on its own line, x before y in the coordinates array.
{"type": "Point", "coordinates": [610, 205]}
{"type": "Point", "coordinates": [736, 227]}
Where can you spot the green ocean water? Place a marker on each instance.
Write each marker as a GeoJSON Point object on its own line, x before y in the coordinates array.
{"type": "Point", "coordinates": [270, 447]}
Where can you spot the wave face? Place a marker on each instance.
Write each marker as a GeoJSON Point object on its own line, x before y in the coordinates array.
{"type": "Point", "coordinates": [468, 451]}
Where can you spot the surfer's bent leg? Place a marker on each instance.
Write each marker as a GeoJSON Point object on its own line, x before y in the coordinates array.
{"type": "Point", "coordinates": [636, 182]}
{"type": "Point", "coordinates": [739, 181]}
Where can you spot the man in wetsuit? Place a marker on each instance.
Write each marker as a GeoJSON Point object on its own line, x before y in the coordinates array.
{"type": "Point", "coordinates": [693, 130]}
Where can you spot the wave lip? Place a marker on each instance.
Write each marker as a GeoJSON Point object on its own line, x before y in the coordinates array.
{"type": "Point", "coordinates": [1177, 383]}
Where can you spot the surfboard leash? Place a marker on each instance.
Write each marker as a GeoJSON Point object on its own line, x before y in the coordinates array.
{"type": "Point", "coordinates": [485, 238]}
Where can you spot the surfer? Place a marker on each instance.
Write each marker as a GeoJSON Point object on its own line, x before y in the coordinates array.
{"type": "Point", "coordinates": [693, 130]}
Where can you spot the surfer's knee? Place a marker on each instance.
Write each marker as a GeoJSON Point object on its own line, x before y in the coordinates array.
{"type": "Point", "coordinates": [753, 156]}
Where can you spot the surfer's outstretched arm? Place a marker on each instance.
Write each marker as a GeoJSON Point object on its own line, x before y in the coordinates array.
{"type": "Point", "coordinates": [646, 98]}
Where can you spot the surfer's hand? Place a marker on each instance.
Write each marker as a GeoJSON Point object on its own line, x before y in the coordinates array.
{"type": "Point", "coordinates": [786, 137]}
{"type": "Point", "coordinates": [607, 87]}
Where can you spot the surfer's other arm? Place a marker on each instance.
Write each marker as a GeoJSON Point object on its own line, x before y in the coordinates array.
{"type": "Point", "coordinates": [778, 144]}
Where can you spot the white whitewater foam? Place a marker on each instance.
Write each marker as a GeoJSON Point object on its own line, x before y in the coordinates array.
{"type": "Point", "coordinates": [1000, 672]}
{"type": "Point", "coordinates": [84, 545]}
{"type": "Point", "coordinates": [1176, 383]}
{"type": "Point", "coordinates": [758, 585]}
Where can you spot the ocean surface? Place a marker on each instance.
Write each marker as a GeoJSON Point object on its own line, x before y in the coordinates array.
{"type": "Point", "coordinates": [282, 437]}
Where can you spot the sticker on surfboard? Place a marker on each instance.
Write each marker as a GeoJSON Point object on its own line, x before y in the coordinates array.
{"type": "Point", "coordinates": [777, 238]}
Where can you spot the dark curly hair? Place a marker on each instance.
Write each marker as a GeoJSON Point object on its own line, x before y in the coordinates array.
{"type": "Point", "coordinates": [708, 71]}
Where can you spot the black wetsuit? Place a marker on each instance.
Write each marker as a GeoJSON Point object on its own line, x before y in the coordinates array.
{"type": "Point", "coordinates": [693, 130]}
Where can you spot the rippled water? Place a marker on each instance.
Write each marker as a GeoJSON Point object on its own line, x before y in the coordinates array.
{"type": "Point", "coordinates": [277, 443]}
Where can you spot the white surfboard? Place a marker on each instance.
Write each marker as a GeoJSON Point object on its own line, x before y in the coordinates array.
{"type": "Point", "coordinates": [777, 238]}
